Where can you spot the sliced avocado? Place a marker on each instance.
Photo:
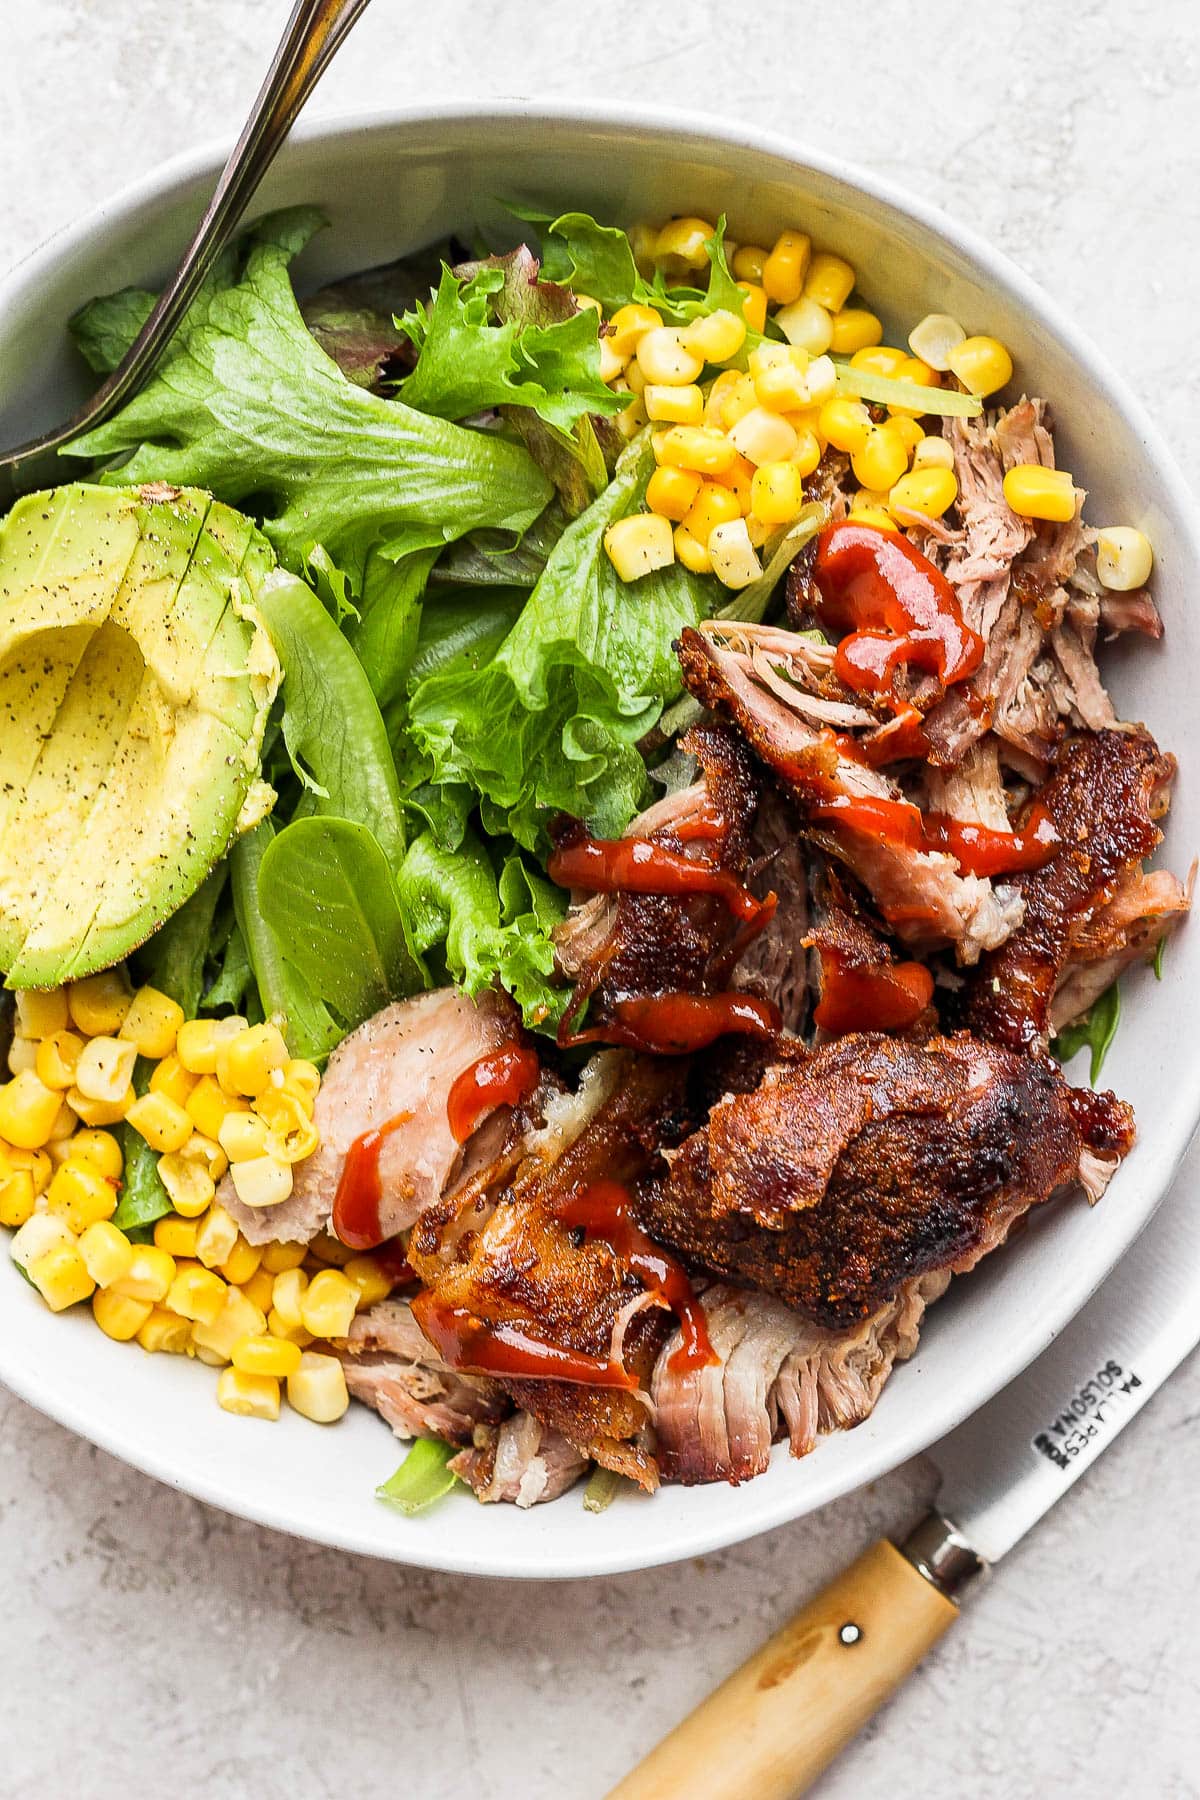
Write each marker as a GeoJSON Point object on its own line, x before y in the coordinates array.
{"type": "Point", "coordinates": [135, 683]}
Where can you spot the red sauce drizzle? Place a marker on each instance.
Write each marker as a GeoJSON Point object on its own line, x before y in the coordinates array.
{"type": "Point", "coordinates": [640, 866]}
{"type": "Point", "coordinates": [359, 1189]}
{"type": "Point", "coordinates": [468, 1342]}
{"type": "Point", "coordinates": [392, 1258]}
{"type": "Point", "coordinates": [896, 607]}
{"type": "Point", "coordinates": [879, 996]}
{"type": "Point", "coordinates": [678, 1024]}
{"type": "Point", "coordinates": [502, 1077]}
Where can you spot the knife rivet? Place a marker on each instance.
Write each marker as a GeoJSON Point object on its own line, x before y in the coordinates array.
{"type": "Point", "coordinates": [849, 1634]}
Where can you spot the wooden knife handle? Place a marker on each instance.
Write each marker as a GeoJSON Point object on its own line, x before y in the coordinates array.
{"type": "Point", "coordinates": [770, 1729]}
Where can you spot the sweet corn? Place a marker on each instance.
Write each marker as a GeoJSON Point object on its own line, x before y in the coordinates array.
{"type": "Point", "coordinates": [629, 325]}
{"type": "Point", "coordinates": [1124, 558]}
{"type": "Point", "coordinates": [80, 1196]}
{"type": "Point", "coordinates": [763, 436]}
{"type": "Point", "coordinates": [785, 268]}
{"type": "Point", "coordinates": [714, 505]}
{"type": "Point", "coordinates": [260, 1288]}
{"type": "Point", "coordinates": [777, 494]}
{"type": "Point", "coordinates": [28, 1111]}
{"type": "Point", "coordinates": [328, 1304]}
{"type": "Point", "coordinates": [807, 453]}
{"type": "Point", "coordinates": [107, 1253]}
{"type": "Point", "coordinates": [634, 380]}
{"type": "Point", "coordinates": [208, 1105]}
{"type": "Point", "coordinates": [726, 384]}
{"type": "Point", "coordinates": [56, 1059]}
{"type": "Point", "coordinates": [699, 448]}
{"type": "Point", "coordinates": [853, 328]}
{"type": "Point", "coordinates": [684, 239]}
{"type": "Point", "coordinates": [370, 1278]}
{"type": "Point", "coordinates": [877, 517]}
{"type": "Point", "coordinates": [329, 1249]}
{"type": "Point", "coordinates": [42, 1233]}
{"type": "Point", "coordinates": [238, 1318]}
{"type": "Point", "coordinates": [635, 547]}
{"type": "Point", "coordinates": [981, 364]}
{"type": "Point", "coordinates": [278, 1258]}
{"type": "Point", "coordinates": [845, 423]}
{"type": "Point", "coordinates": [197, 1294]}
{"type": "Point", "coordinates": [676, 405]}
{"type": "Point", "coordinates": [41, 1012]}
{"type": "Point", "coordinates": [716, 337]}
{"type": "Point", "coordinates": [806, 324]}
{"type": "Point", "coordinates": [165, 1332]}
{"type": "Point", "coordinates": [249, 1396]}
{"type": "Point", "coordinates": [734, 558]}
{"type": "Point", "coordinates": [933, 453]}
{"type": "Point", "coordinates": [175, 1235]}
{"type": "Point", "coordinates": [206, 1153]}
{"type": "Point", "coordinates": [105, 1069]}
{"type": "Point", "coordinates": [196, 1046]}
{"type": "Point", "coordinates": [152, 1023]}
{"type": "Point", "coordinates": [664, 357]}
{"type": "Point", "coordinates": [631, 421]}
{"type": "Point", "coordinates": [933, 339]}
{"type": "Point", "coordinates": [924, 493]}
{"type": "Point", "coordinates": [61, 1278]}
{"type": "Point", "coordinates": [150, 1274]}
{"type": "Point", "coordinates": [1034, 492]}
{"type": "Point", "coordinates": [882, 460]}
{"type": "Point", "coordinates": [612, 366]}
{"type": "Point", "coordinates": [642, 238]}
{"type": "Point", "coordinates": [216, 1235]}
{"type": "Point", "coordinates": [904, 424]}
{"type": "Point", "coordinates": [22, 1055]}
{"type": "Point", "coordinates": [754, 306]}
{"type": "Point", "coordinates": [317, 1390]}
{"type": "Point", "coordinates": [241, 1263]}
{"type": "Point", "coordinates": [291, 1334]}
{"type": "Point", "coordinates": [670, 492]}
{"type": "Point", "coordinates": [100, 1112]}
{"type": "Point", "coordinates": [62, 1130]}
{"type": "Point", "coordinates": [246, 1063]}
{"type": "Point", "coordinates": [748, 262]}
{"type": "Point", "coordinates": [163, 1123]}
{"type": "Point", "coordinates": [100, 1151]}
{"type": "Point", "coordinates": [691, 552]}
{"type": "Point", "coordinates": [880, 359]}
{"type": "Point", "coordinates": [37, 1164]}
{"type": "Point", "coordinates": [830, 280]}
{"type": "Point", "coordinates": [17, 1198]}
{"type": "Point", "coordinates": [187, 1182]}
{"type": "Point", "coordinates": [737, 400]}
{"type": "Point", "coordinates": [242, 1135]}
{"type": "Point", "coordinates": [266, 1356]}
{"type": "Point", "coordinates": [98, 1004]}
{"type": "Point", "coordinates": [738, 480]}
{"type": "Point", "coordinates": [118, 1316]}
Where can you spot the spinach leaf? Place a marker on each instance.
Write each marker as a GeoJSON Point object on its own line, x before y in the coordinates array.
{"type": "Point", "coordinates": [1096, 1029]}
{"type": "Point", "coordinates": [307, 1024]}
{"type": "Point", "coordinates": [173, 959]}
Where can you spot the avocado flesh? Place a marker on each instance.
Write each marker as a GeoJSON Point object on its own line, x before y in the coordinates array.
{"type": "Point", "coordinates": [135, 789]}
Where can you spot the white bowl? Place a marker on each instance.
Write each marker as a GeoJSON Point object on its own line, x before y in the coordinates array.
{"type": "Point", "coordinates": [389, 184]}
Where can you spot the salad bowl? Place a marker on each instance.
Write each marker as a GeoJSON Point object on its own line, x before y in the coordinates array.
{"type": "Point", "coordinates": [392, 183]}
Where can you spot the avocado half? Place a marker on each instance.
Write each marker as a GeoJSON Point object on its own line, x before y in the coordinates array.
{"type": "Point", "coordinates": [135, 683]}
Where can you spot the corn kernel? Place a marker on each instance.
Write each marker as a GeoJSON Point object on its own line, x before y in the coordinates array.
{"type": "Point", "coordinates": [612, 366]}
{"type": "Point", "coordinates": [783, 387]}
{"type": "Point", "coordinates": [807, 325]}
{"type": "Point", "coordinates": [280, 1257]}
{"type": "Point", "coordinates": [216, 1235]}
{"type": "Point", "coordinates": [676, 405]}
{"type": "Point", "coordinates": [736, 401]}
{"type": "Point", "coordinates": [981, 364]}
{"type": "Point", "coordinates": [934, 338]}
{"type": "Point", "coordinates": [925, 493]}
{"type": "Point", "coordinates": [1124, 558]}
{"type": "Point", "coordinates": [165, 1333]}
{"type": "Point", "coordinates": [880, 359]}
{"type": "Point", "coordinates": [260, 1289]}
{"type": "Point", "coordinates": [748, 262]}
{"type": "Point", "coordinates": [42, 1233]}
{"type": "Point", "coordinates": [41, 1012]}
{"type": "Point", "coordinates": [98, 1004]}
{"type": "Point", "coordinates": [635, 547]}
{"type": "Point", "coordinates": [691, 552]}
{"type": "Point", "coordinates": [866, 509]}
{"type": "Point", "coordinates": [62, 1131]}
{"type": "Point", "coordinates": [61, 1278]}
{"type": "Point", "coordinates": [714, 505]}
{"type": "Point", "coordinates": [118, 1316]}
{"type": "Point", "coordinates": [853, 328]}
{"type": "Point", "coordinates": [196, 1294]}
{"type": "Point", "coordinates": [208, 1105]}
{"type": "Point", "coordinates": [242, 1135]}
{"type": "Point", "coordinates": [785, 268]}
{"type": "Point", "coordinates": [882, 460]}
{"type": "Point", "coordinates": [100, 1112]}
{"type": "Point", "coordinates": [1035, 492]}
{"type": "Point", "coordinates": [670, 492]}
{"type": "Point", "coordinates": [172, 1080]}
{"type": "Point", "coordinates": [28, 1111]}
{"type": "Point", "coordinates": [921, 375]}
{"type": "Point", "coordinates": [664, 358]}
{"type": "Point", "coordinates": [22, 1055]}
{"type": "Point", "coordinates": [629, 324]}
{"type": "Point", "coordinates": [187, 1182]}
{"type": "Point", "coordinates": [734, 558]}
{"type": "Point", "coordinates": [763, 436]}
{"type": "Point", "coordinates": [57, 1057]}
{"type": "Point", "coordinates": [80, 1196]}
{"type": "Point", "coordinates": [175, 1235]}
{"type": "Point", "coordinates": [100, 1151]}
{"type": "Point", "coordinates": [370, 1278]}
{"type": "Point", "coordinates": [17, 1198]}
{"type": "Point", "coordinates": [318, 1390]}
{"type": "Point", "coordinates": [642, 238]}
{"type": "Point", "coordinates": [326, 1248]}
{"type": "Point", "coordinates": [291, 1334]}
{"type": "Point", "coordinates": [684, 239]}
{"type": "Point", "coordinates": [328, 1304]}
{"type": "Point", "coordinates": [238, 1318]}
{"type": "Point", "coordinates": [37, 1164]}
{"type": "Point", "coordinates": [107, 1253]}
{"type": "Point", "coordinates": [808, 452]}
{"type": "Point", "coordinates": [241, 1263]}
{"type": "Point", "coordinates": [249, 1396]}
{"type": "Point", "coordinates": [845, 423]}
{"type": "Point", "coordinates": [196, 1046]}
{"type": "Point", "coordinates": [206, 1153]}
{"type": "Point", "coordinates": [105, 1069]}
{"type": "Point", "coordinates": [754, 306]}
{"type": "Point", "coordinates": [778, 492]}
{"type": "Point", "coordinates": [150, 1274]}
{"type": "Point", "coordinates": [933, 453]}
{"type": "Point", "coordinates": [716, 337]}
{"type": "Point", "coordinates": [738, 480]}
{"type": "Point", "coordinates": [266, 1356]}
{"type": "Point", "coordinates": [830, 280]}
{"type": "Point", "coordinates": [162, 1122]}
{"type": "Point", "coordinates": [246, 1063]}
{"type": "Point", "coordinates": [631, 421]}
{"type": "Point", "coordinates": [904, 424]}
{"type": "Point", "coordinates": [152, 1023]}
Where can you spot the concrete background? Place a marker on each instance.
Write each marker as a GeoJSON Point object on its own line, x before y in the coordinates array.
{"type": "Point", "coordinates": [153, 1644]}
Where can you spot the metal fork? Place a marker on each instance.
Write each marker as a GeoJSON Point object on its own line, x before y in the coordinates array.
{"type": "Point", "coordinates": [313, 34]}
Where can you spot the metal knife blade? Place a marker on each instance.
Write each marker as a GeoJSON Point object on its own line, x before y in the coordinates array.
{"type": "Point", "coordinates": [1007, 1465]}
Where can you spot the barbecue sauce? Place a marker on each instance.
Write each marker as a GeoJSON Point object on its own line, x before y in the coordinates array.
{"type": "Point", "coordinates": [466, 1341]}
{"type": "Point", "coordinates": [877, 996]}
{"type": "Point", "coordinates": [502, 1077]}
{"type": "Point", "coordinates": [677, 1024]}
{"type": "Point", "coordinates": [640, 866]}
{"type": "Point", "coordinates": [359, 1190]}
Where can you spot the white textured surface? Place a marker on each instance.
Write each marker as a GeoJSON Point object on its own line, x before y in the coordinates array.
{"type": "Point", "coordinates": [152, 1641]}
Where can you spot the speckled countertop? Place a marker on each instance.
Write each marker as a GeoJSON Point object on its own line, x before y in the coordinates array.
{"type": "Point", "coordinates": [151, 1644]}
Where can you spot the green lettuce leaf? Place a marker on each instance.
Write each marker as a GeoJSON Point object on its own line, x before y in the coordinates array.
{"type": "Point", "coordinates": [247, 404]}
{"type": "Point", "coordinates": [1095, 1031]}
{"type": "Point", "coordinates": [553, 720]}
{"type": "Point", "coordinates": [598, 260]}
{"type": "Point", "coordinates": [307, 1023]}
{"type": "Point", "coordinates": [105, 328]}
{"type": "Point", "coordinates": [422, 1478]}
